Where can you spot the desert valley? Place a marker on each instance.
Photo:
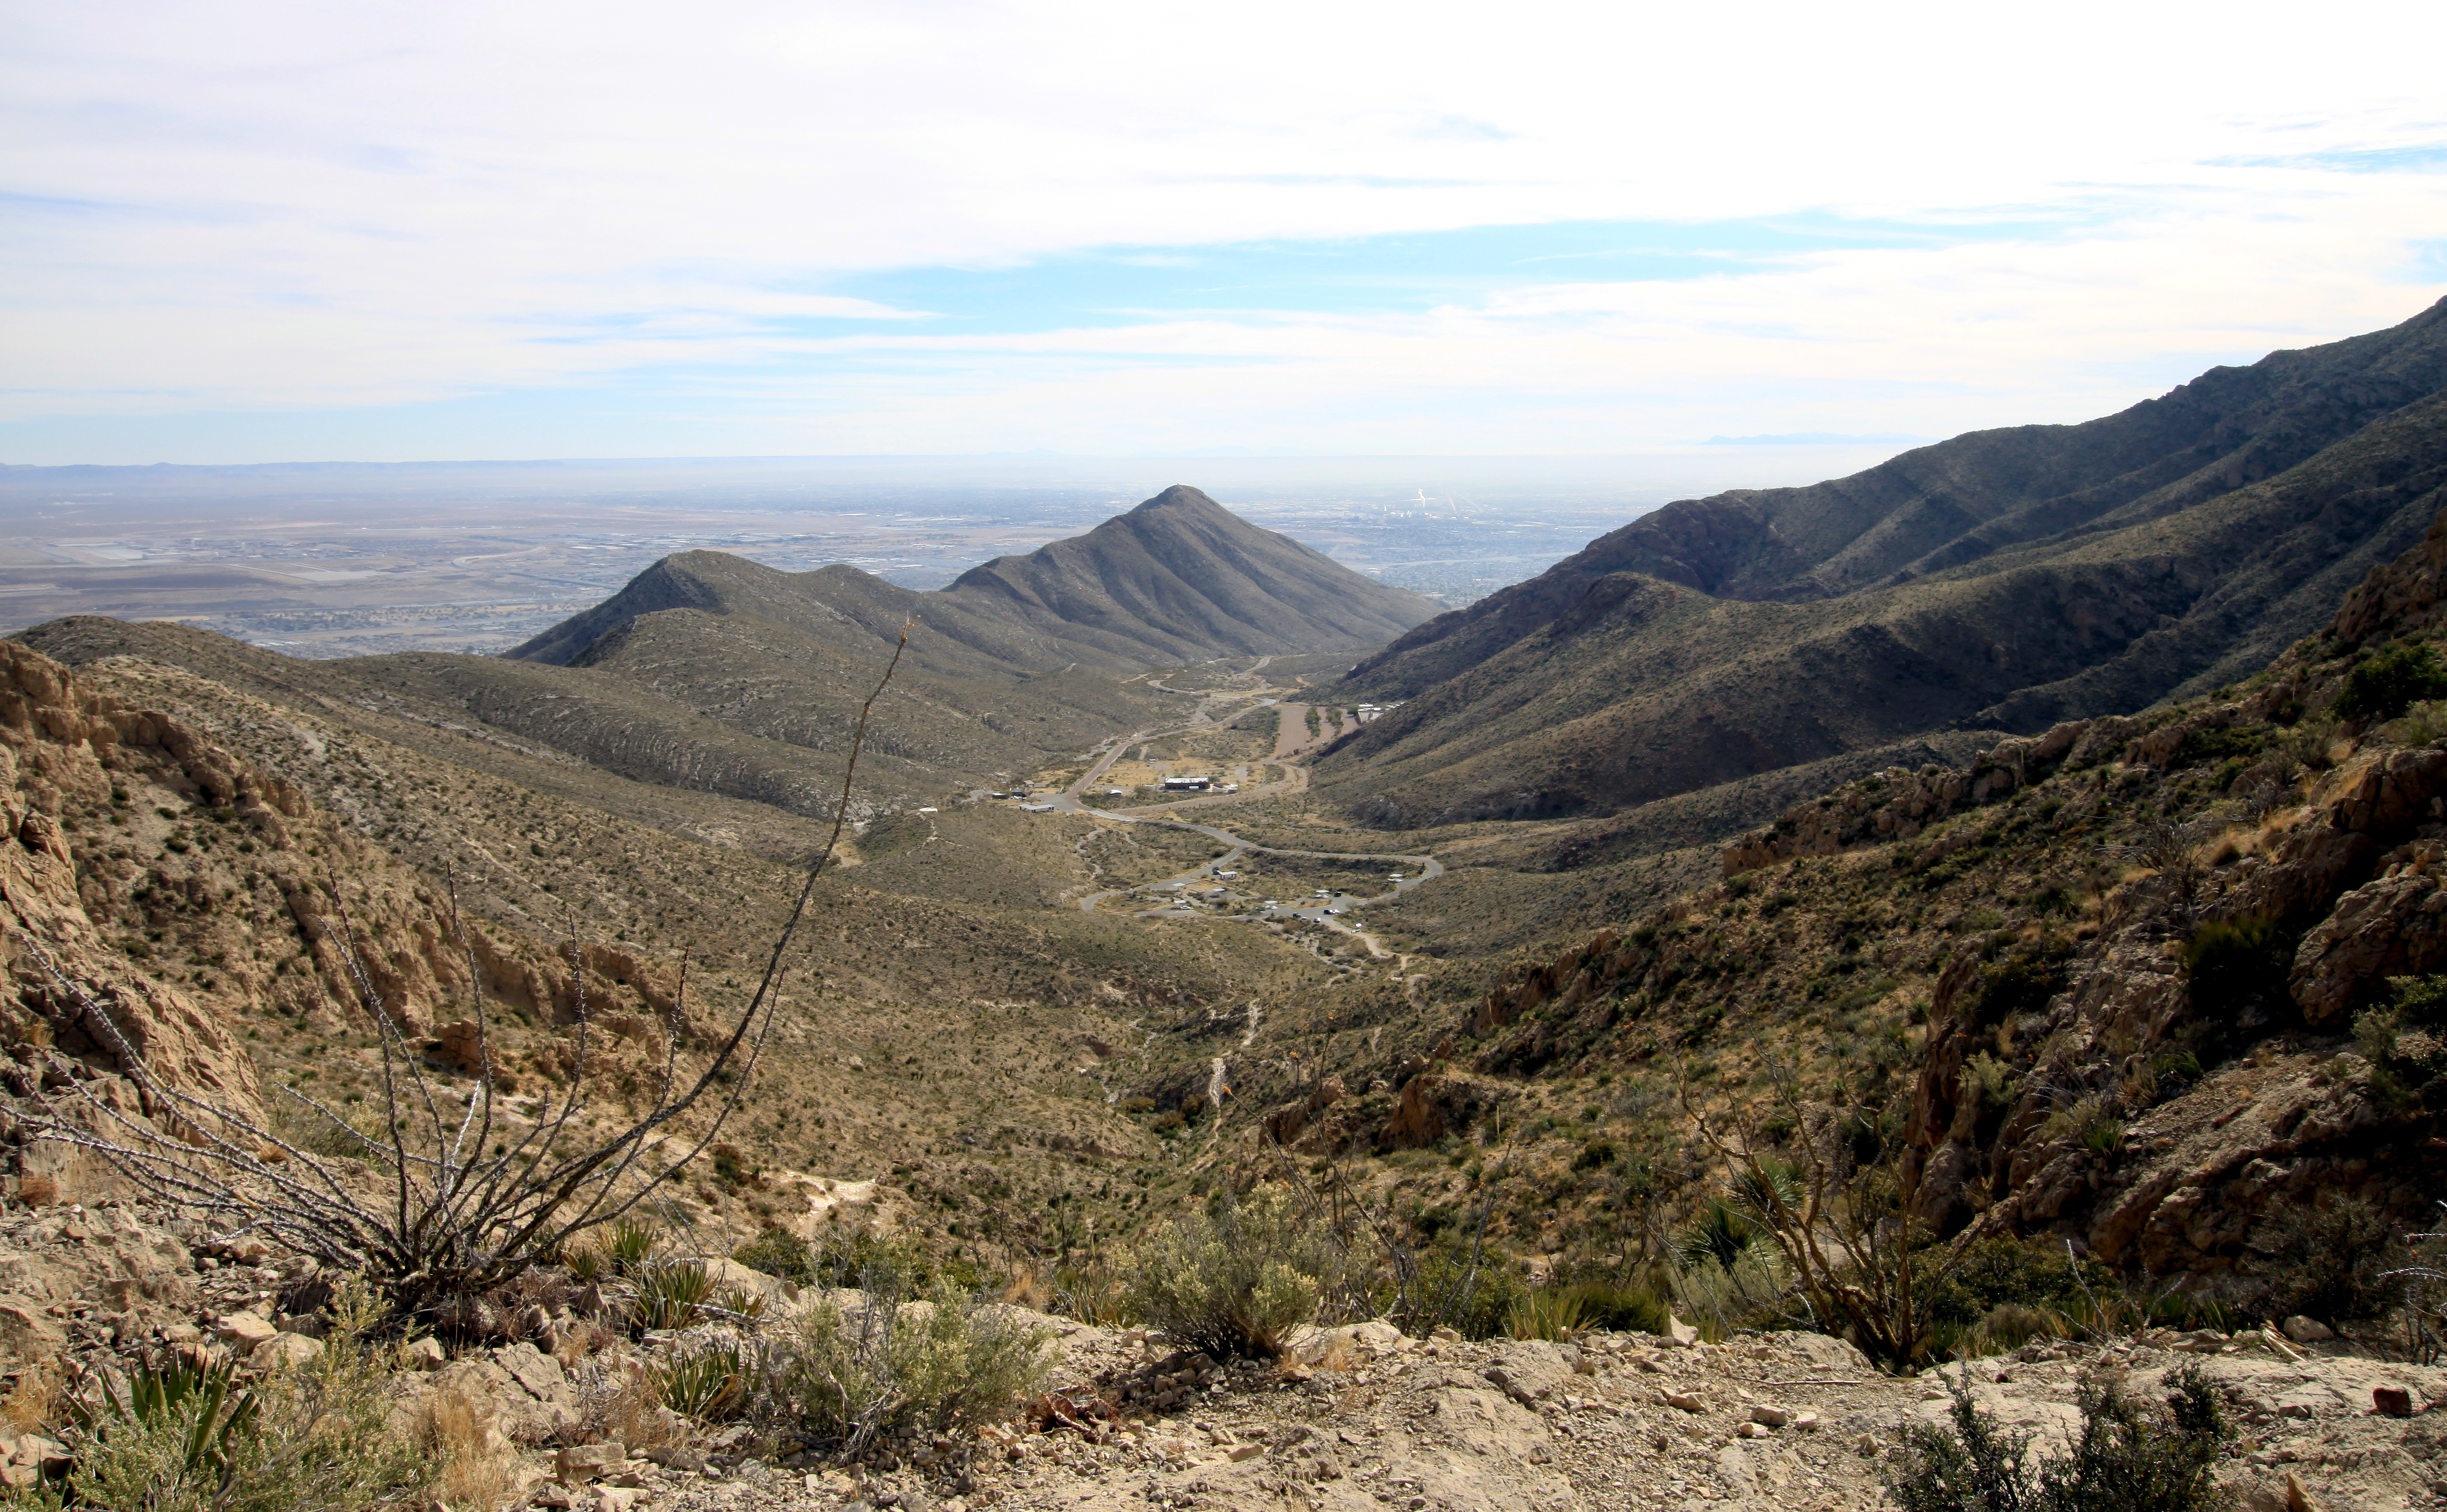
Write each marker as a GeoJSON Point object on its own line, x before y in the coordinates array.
{"type": "Point", "coordinates": [1248, 1034]}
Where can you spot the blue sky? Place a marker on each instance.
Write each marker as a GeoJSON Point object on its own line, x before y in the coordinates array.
{"type": "Point", "coordinates": [396, 231]}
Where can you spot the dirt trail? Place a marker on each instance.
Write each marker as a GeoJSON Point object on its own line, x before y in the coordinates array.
{"type": "Point", "coordinates": [1292, 736]}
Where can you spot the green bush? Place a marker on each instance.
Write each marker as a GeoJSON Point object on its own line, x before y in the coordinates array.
{"type": "Point", "coordinates": [2421, 725]}
{"type": "Point", "coordinates": [2002, 1270]}
{"type": "Point", "coordinates": [1620, 1309]}
{"type": "Point", "coordinates": [2329, 1262]}
{"type": "Point", "coordinates": [942, 1364]}
{"type": "Point", "coordinates": [1236, 1282]}
{"type": "Point", "coordinates": [2126, 1457]}
{"type": "Point", "coordinates": [779, 1252]}
{"type": "Point", "coordinates": [2384, 686]}
{"type": "Point", "coordinates": [2020, 983]}
{"type": "Point", "coordinates": [1449, 1292]}
{"type": "Point", "coordinates": [2236, 964]}
{"type": "Point", "coordinates": [860, 1260]}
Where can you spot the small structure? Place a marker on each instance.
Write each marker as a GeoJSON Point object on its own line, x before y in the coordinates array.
{"type": "Point", "coordinates": [1187, 784]}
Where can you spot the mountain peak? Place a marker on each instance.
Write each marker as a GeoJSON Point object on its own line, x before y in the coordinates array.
{"type": "Point", "coordinates": [1177, 578]}
{"type": "Point", "coordinates": [1177, 495]}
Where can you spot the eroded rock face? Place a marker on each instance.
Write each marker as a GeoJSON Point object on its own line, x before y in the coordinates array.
{"type": "Point", "coordinates": [2393, 927]}
{"type": "Point", "coordinates": [1434, 1104]}
{"type": "Point", "coordinates": [154, 890]}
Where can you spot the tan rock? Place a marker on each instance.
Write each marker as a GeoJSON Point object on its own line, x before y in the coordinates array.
{"type": "Point", "coordinates": [589, 1462]}
{"type": "Point", "coordinates": [1530, 1371]}
{"type": "Point", "coordinates": [424, 1352]}
{"type": "Point", "coordinates": [285, 1351]}
{"type": "Point", "coordinates": [729, 1275]}
{"type": "Point", "coordinates": [245, 1330]}
{"type": "Point", "coordinates": [2393, 927]}
{"type": "Point", "coordinates": [1432, 1104]}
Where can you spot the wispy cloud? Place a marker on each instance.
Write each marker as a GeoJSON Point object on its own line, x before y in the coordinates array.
{"type": "Point", "coordinates": [969, 226]}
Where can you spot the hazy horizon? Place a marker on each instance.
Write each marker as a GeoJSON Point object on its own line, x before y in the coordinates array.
{"type": "Point", "coordinates": [339, 558]}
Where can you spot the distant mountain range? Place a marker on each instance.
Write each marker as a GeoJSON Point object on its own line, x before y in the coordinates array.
{"type": "Point", "coordinates": [711, 674]}
{"type": "Point", "coordinates": [2001, 580]}
{"type": "Point", "coordinates": [1179, 579]}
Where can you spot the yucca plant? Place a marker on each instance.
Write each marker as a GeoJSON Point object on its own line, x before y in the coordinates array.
{"type": "Point", "coordinates": [671, 1295]}
{"type": "Point", "coordinates": [708, 1381]}
{"type": "Point", "coordinates": [196, 1398]}
{"type": "Point", "coordinates": [1546, 1313]}
{"type": "Point", "coordinates": [587, 1262]}
{"type": "Point", "coordinates": [633, 1244]}
{"type": "Point", "coordinates": [739, 1304]}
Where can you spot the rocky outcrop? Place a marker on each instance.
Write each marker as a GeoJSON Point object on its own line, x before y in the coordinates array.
{"type": "Point", "coordinates": [59, 745]}
{"type": "Point", "coordinates": [156, 890]}
{"type": "Point", "coordinates": [1285, 1124]}
{"type": "Point", "coordinates": [1899, 804]}
{"type": "Point", "coordinates": [2395, 926]}
{"type": "Point", "coordinates": [1434, 1104]}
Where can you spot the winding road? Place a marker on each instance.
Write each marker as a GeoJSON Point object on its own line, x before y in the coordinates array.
{"type": "Point", "coordinates": [1414, 869]}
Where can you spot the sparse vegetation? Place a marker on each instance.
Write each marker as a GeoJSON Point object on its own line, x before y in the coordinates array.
{"type": "Point", "coordinates": [318, 1436]}
{"type": "Point", "coordinates": [2126, 1456]}
{"type": "Point", "coordinates": [2384, 686]}
{"type": "Point", "coordinates": [1236, 1282]}
{"type": "Point", "coordinates": [945, 1362]}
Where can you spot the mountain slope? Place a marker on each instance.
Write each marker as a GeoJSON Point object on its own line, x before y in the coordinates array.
{"type": "Point", "coordinates": [1181, 577]}
{"type": "Point", "coordinates": [1178, 578]}
{"type": "Point", "coordinates": [1736, 636]}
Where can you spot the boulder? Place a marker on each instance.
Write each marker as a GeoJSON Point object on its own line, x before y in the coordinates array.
{"type": "Point", "coordinates": [2394, 927]}
{"type": "Point", "coordinates": [2307, 1331]}
{"type": "Point", "coordinates": [589, 1462]}
{"type": "Point", "coordinates": [1531, 1371]}
{"type": "Point", "coordinates": [1434, 1104]}
{"type": "Point", "coordinates": [424, 1352]}
{"type": "Point", "coordinates": [243, 1332]}
{"type": "Point", "coordinates": [728, 1275]}
{"type": "Point", "coordinates": [285, 1351]}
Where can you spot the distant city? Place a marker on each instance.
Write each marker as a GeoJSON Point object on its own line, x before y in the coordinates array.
{"type": "Point", "coordinates": [354, 559]}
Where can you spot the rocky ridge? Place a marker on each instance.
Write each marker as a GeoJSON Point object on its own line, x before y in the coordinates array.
{"type": "Point", "coordinates": [1357, 1417]}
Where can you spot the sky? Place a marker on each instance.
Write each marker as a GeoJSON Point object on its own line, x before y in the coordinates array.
{"type": "Point", "coordinates": [262, 231]}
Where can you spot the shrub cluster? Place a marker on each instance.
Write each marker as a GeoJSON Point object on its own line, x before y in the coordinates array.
{"type": "Point", "coordinates": [1236, 1282]}
{"type": "Point", "coordinates": [2384, 686]}
{"type": "Point", "coordinates": [186, 1440]}
{"type": "Point", "coordinates": [946, 1362]}
{"type": "Point", "coordinates": [2128, 1456]}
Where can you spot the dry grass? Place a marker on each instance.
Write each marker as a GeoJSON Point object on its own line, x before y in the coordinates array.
{"type": "Point", "coordinates": [479, 1468]}
{"type": "Point", "coordinates": [30, 1406]}
{"type": "Point", "coordinates": [616, 1399]}
{"type": "Point", "coordinates": [1030, 1288]}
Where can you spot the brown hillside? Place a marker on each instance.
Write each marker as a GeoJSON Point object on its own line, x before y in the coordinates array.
{"type": "Point", "coordinates": [1179, 579]}
{"type": "Point", "coordinates": [1598, 687]}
